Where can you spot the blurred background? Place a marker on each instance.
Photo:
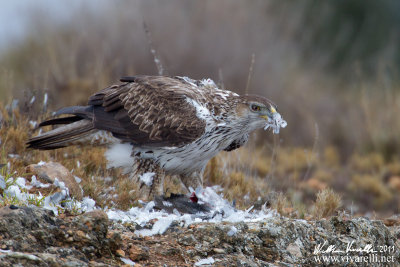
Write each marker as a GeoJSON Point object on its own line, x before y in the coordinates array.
{"type": "Point", "coordinates": [331, 67]}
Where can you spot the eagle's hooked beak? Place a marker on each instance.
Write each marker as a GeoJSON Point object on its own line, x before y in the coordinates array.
{"type": "Point", "coordinates": [266, 117]}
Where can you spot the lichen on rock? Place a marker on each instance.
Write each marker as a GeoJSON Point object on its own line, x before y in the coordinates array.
{"type": "Point", "coordinates": [33, 236]}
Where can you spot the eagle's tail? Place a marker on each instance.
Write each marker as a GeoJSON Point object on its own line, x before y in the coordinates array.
{"type": "Point", "coordinates": [73, 131]}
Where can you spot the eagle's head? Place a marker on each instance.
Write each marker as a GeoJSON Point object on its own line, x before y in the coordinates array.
{"type": "Point", "coordinates": [260, 112]}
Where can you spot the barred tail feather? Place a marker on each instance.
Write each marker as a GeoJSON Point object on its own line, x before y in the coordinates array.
{"type": "Point", "coordinates": [69, 134]}
{"type": "Point", "coordinates": [75, 128]}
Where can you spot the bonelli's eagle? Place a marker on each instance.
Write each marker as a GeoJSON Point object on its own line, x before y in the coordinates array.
{"type": "Point", "coordinates": [171, 125]}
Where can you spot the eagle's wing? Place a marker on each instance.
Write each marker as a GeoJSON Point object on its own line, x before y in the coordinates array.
{"type": "Point", "coordinates": [148, 110]}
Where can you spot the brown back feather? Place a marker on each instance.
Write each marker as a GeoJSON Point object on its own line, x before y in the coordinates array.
{"type": "Point", "coordinates": [150, 111]}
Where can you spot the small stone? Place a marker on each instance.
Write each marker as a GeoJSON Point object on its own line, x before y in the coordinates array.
{"type": "Point", "coordinates": [95, 220]}
{"type": "Point", "coordinates": [48, 172]}
{"type": "Point", "coordinates": [294, 250]}
{"type": "Point", "coordinates": [120, 253]}
{"type": "Point", "coordinates": [81, 234]}
{"type": "Point", "coordinates": [138, 254]}
{"type": "Point", "coordinates": [219, 250]}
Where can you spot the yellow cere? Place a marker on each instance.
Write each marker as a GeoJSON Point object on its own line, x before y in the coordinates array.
{"type": "Point", "coordinates": [273, 110]}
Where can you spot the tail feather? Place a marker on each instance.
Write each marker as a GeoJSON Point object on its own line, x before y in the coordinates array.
{"type": "Point", "coordinates": [74, 128]}
{"type": "Point", "coordinates": [57, 121]}
{"type": "Point", "coordinates": [85, 112]}
{"type": "Point", "coordinates": [62, 136]}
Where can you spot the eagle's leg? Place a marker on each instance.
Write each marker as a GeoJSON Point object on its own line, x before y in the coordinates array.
{"type": "Point", "coordinates": [193, 180]}
{"type": "Point", "coordinates": [149, 177]}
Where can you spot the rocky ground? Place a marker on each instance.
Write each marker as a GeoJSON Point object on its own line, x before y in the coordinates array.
{"type": "Point", "coordinates": [32, 236]}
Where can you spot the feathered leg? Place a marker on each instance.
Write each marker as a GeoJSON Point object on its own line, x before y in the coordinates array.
{"type": "Point", "coordinates": [193, 180]}
{"type": "Point", "coordinates": [149, 177]}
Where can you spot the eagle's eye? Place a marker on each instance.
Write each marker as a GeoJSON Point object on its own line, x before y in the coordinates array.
{"type": "Point", "coordinates": [255, 107]}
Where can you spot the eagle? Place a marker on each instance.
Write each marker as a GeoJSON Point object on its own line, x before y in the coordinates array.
{"type": "Point", "coordinates": [169, 125]}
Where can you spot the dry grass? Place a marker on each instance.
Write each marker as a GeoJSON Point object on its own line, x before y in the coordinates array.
{"type": "Point", "coordinates": [327, 204]}
{"type": "Point", "coordinates": [236, 173]}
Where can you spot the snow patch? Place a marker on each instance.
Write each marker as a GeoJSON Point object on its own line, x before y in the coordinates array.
{"type": "Point", "coordinates": [88, 204]}
{"type": "Point", "coordinates": [232, 231]}
{"type": "Point", "coordinates": [220, 211]}
{"type": "Point", "coordinates": [158, 228]}
{"type": "Point", "coordinates": [208, 261]}
{"type": "Point", "coordinates": [14, 191]}
{"type": "Point", "coordinates": [20, 182]}
{"type": "Point", "coordinates": [147, 178]}
{"type": "Point", "coordinates": [37, 183]}
{"type": "Point", "coordinates": [58, 201]}
{"type": "Point", "coordinates": [127, 261]}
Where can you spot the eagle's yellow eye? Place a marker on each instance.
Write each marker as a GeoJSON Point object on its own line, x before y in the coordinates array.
{"type": "Point", "coordinates": [255, 107]}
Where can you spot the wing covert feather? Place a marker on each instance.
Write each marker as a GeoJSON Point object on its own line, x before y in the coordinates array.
{"type": "Point", "coordinates": [151, 111]}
